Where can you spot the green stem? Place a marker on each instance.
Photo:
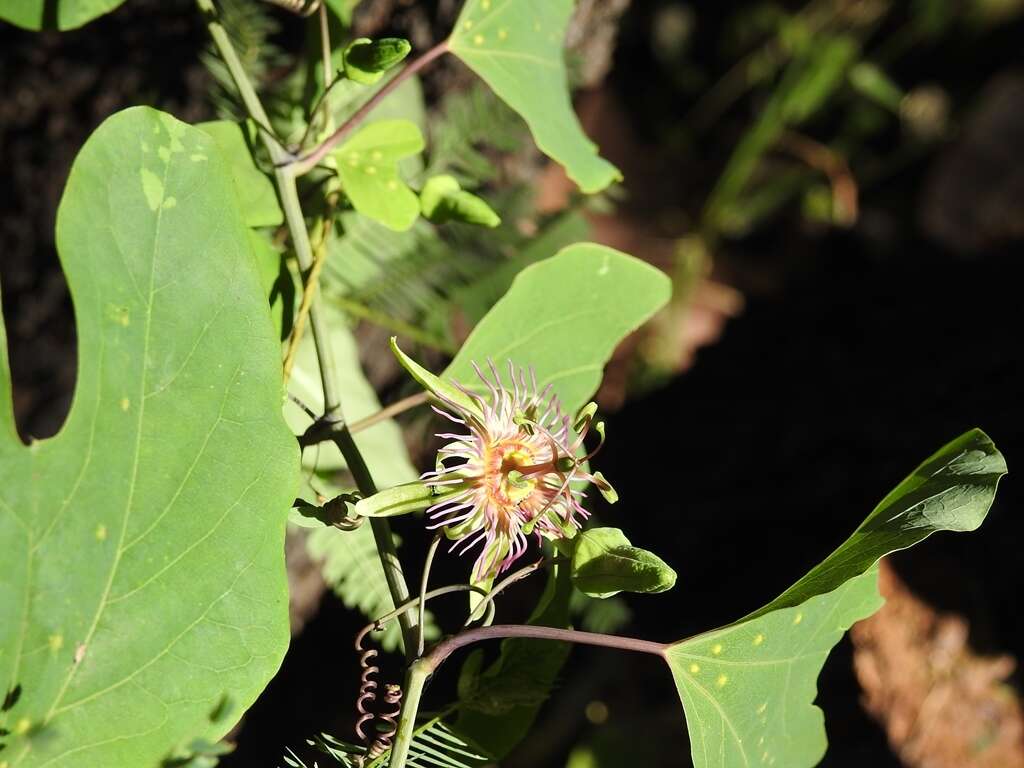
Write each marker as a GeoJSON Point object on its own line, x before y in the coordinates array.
{"type": "Point", "coordinates": [379, 623]}
{"type": "Point", "coordinates": [284, 176]}
{"type": "Point", "coordinates": [415, 679]}
{"type": "Point", "coordinates": [381, 535]}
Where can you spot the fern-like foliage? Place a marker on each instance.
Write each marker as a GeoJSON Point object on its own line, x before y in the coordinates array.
{"type": "Point", "coordinates": [469, 122]}
{"type": "Point", "coordinates": [434, 745]}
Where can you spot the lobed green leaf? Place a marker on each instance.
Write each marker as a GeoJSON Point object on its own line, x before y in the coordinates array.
{"type": "Point", "coordinates": [564, 316]}
{"type": "Point", "coordinates": [515, 46]}
{"type": "Point", "coordinates": [256, 193]}
{"type": "Point", "coordinates": [748, 688]}
{"type": "Point", "coordinates": [143, 581]}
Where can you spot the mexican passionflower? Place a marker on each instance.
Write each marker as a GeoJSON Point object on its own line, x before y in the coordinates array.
{"type": "Point", "coordinates": [514, 468]}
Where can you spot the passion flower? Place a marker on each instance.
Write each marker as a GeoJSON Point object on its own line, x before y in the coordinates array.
{"type": "Point", "coordinates": [516, 469]}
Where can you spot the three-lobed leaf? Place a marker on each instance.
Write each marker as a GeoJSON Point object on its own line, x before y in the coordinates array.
{"type": "Point", "coordinates": [748, 688]}
{"type": "Point", "coordinates": [604, 563]}
{"type": "Point", "coordinates": [515, 46]}
{"type": "Point", "coordinates": [143, 598]}
{"type": "Point", "coordinates": [368, 169]}
{"type": "Point", "coordinates": [563, 317]}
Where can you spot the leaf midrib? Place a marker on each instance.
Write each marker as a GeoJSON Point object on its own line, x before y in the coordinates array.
{"type": "Point", "coordinates": [102, 605]}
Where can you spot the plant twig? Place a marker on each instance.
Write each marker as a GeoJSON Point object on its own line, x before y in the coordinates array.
{"type": "Point", "coordinates": [835, 168]}
{"type": "Point", "coordinates": [325, 45]}
{"type": "Point", "coordinates": [308, 162]}
{"type": "Point", "coordinates": [284, 177]}
{"type": "Point", "coordinates": [378, 623]}
{"type": "Point", "coordinates": [400, 406]}
{"type": "Point", "coordinates": [446, 648]}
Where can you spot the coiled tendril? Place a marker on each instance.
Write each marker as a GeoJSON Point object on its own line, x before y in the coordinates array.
{"type": "Point", "coordinates": [387, 719]}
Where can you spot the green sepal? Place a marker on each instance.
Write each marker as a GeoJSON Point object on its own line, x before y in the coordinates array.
{"type": "Point", "coordinates": [487, 582]}
{"type": "Point", "coordinates": [585, 416]}
{"type": "Point", "coordinates": [442, 390]}
{"type": "Point", "coordinates": [607, 491]}
{"type": "Point", "coordinates": [367, 60]}
{"type": "Point", "coordinates": [604, 563]}
{"type": "Point", "coordinates": [442, 199]}
{"type": "Point", "coordinates": [567, 527]}
{"type": "Point", "coordinates": [400, 500]}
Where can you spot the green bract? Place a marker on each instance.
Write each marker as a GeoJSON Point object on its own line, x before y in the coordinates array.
{"type": "Point", "coordinates": [368, 168]}
{"type": "Point", "coordinates": [604, 563]}
{"type": "Point", "coordinates": [748, 688]}
{"type": "Point", "coordinates": [516, 47]}
{"type": "Point", "coordinates": [143, 599]}
{"type": "Point", "coordinates": [441, 390]}
{"type": "Point", "coordinates": [367, 60]}
{"type": "Point", "coordinates": [443, 199]}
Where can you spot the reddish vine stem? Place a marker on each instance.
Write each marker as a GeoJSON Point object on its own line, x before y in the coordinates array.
{"type": "Point", "coordinates": [308, 162]}
{"type": "Point", "coordinates": [446, 648]}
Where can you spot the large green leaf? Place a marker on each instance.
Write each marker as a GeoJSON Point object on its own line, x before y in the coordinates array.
{"type": "Point", "coordinates": [564, 316]}
{"type": "Point", "coordinates": [516, 47]}
{"type": "Point", "coordinates": [54, 14]}
{"type": "Point", "coordinates": [748, 688]}
{"type": "Point", "coordinates": [255, 190]}
{"type": "Point", "coordinates": [142, 585]}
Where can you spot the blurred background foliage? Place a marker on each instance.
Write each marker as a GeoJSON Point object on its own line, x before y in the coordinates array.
{"type": "Point", "coordinates": [834, 184]}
